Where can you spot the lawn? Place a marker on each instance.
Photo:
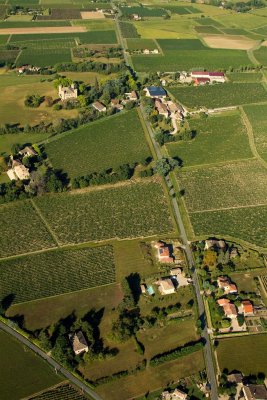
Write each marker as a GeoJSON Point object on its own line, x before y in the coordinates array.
{"type": "Point", "coordinates": [223, 95]}
{"type": "Point", "coordinates": [248, 224]}
{"type": "Point", "coordinates": [31, 372]}
{"type": "Point", "coordinates": [22, 230]}
{"type": "Point", "coordinates": [245, 354]}
{"type": "Point", "coordinates": [14, 91]}
{"type": "Point", "coordinates": [8, 140]}
{"type": "Point", "coordinates": [257, 119]}
{"type": "Point", "coordinates": [219, 138]}
{"type": "Point", "coordinates": [126, 210]}
{"type": "Point", "coordinates": [100, 146]}
{"type": "Point", "coordinates": [56, 272]}
{"type": "Point", "coordinates": [238, 184]}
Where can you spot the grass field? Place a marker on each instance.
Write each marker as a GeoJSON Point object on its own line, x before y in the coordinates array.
{"type": "Point", "coordinates": [181, 10]}
{"type": "Point", "coordinates": [16, 220]}
{"type": "Point", "coordinates": [125, 211]}
{"type": "Point", "coordinates": [261, 55]}
{"type": "Point", "coordinates": [14, 91]}
{"type": "Point", "coordinates": [56, 272]}
{"type": "Point", "coordinates": [141, 44]}
{"type": "Point", "coordinates": [219, 138]}
{"type": "Point", "coordinates": [143, 11]}
{"type": "Point", "coordinates": [105, 144]}
{"type": "Point", "coordinates": [176, 27]}
{"type": "Point", "coordinates": [244, 354]}
{"type": "Point", "coordinates": [128, 30]}
{"type": "Point", "coordinates": [233, 185]}
{"type": "Point", "coordinates": [248, 224]}
{"type": "Point", "coordinates": [208, 30]}
{"type": "Point", "coordinates": [8, 56]}
{"type": "Point", "coordinates": [32, 374]}
{"type": "Point", "coordinates": [152, 378]}
{"type": "Point", "coordinates": [207, 21]}
{"type": "Point", "coordinates": [257, 118]}
{"type": "Point", "coordinates": [44, 58]}
{"type": "Point", "coordinates": [215, 96]}
{"type": "Point", "coordinates": [28, 24]}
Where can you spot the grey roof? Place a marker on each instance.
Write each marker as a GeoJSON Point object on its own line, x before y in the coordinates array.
{"type": "Point", "coordinates": [156, 91]}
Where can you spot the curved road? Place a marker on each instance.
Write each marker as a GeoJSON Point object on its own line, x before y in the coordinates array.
{"type": "Point", "coordinates": [201, 309]}
{"type": "Point", "coordinates": [50, 361]}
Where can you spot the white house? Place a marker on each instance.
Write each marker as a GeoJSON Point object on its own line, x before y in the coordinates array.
{"type": "Point", "coordinates": [78, 342]}
{"type": "Point", "coordinates": [67, 92]}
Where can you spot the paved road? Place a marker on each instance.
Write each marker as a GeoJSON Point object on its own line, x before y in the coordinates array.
{"type": "Point", "coordinates": [207, 349]}
{"type": "Point", "coordinates": [50, 361]}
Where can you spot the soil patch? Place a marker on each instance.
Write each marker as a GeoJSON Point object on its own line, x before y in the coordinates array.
{"type": "Point", "coordinates": [92, 15]}
{"type": "Point", "coordinates": [33, 30]}
{"type": "Point", "coordinates": [229, 42]}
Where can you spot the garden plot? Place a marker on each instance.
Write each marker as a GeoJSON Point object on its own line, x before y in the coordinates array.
{"type": "Point", "coordinates": [239, 184]}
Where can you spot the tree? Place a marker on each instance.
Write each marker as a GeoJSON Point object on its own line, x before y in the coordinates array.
{"type": "Point", "coordinates": [33, 100]}
{"type": "Point", "coordinates": [165, 165]}
{"type": "Point", "coordinates": [82, 100]}
{"type": "Point", "coordinates": [63, 82]}
{"type": "Point", "coordinates": [44, 340]}
{"type": "Point", "coordinates": [240, 319]}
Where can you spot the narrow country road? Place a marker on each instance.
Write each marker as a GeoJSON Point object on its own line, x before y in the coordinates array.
{"type": "Point", "coordinates": [50, 361]}
{"type": "Point", "coordinates": [201, 309]}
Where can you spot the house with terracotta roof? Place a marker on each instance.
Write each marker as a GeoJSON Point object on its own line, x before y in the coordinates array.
{"type": "Point", "coordinates": [227, 286]}
{"type": "Point", "coordinates": [78, 342]}
{"type": "Point", "coordinates": [247, 308]}
{"type": "Point", "coordinates": [201, 81]}
{"type": "Point", "coordinates": [164, 253]}
{"type": "Point", "coordinates": [166, 286]}
{"type": "Point", "coordinates": [212, 76]}
{"type": "Point", "coordinates": [229, 308]}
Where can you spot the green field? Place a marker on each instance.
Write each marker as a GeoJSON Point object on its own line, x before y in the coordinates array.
{"type": "Point", "coordinates": [56, 272]}
{"type": "Point", "coordinates": [245, 354]}
{"type": "Point", "coordinates": [128, 30]}
{"type": "Point", "coordinates": [218, 138]}
{"type": "Point", "coordinates": [248, 224]}
{"type": "Point", "coordinates": [102, 145]}
{"type": "Point", "coordinates": [44, 58]}
{"type": "Point", "coordinates": [8, 56]}
{"type": "Point", "coordinates": [32, 24]}
{"type": "Point", "coordinates": [252, 77]}
{"type": "Point", "coordinates": [224, 95]}
{"type": "Point", "coordinates": [261, 55]}
{"type": "Point", "coordinates": [141, 44]}
{"type": "Point", "coordinates": [208, 30]}
{"type": "Point", "coordinates": [186, 54]}
{"type": "Point", "coordinates": [209, 21]}
{"type": "Point", "coordinates": [238, 184]}
{"type": "Point", "coordinates": [31, 373]}
{"type": "Point", "coordinates": [125, 211]}
{"type": "Point", "coordinates": [257, 118]}
{"type": "Point", "coordinates": [22, 230]}
{"type": "Point", "coordinates": [143, 11]}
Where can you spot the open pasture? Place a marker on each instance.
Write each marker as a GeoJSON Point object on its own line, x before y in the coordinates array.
{"type": "Point", "coordinates": [56, 272]}
{"type": "Point", "coordinates": [257, 118]}
{"type": "Point", "coordinates": [218, 139]}
{"type": "Point", "coordinates": [239, 184]}
{"type": "Point", "coordinates": [31, 372]}
{"type": "Point", "coordinates": [22, 230]}
{"type": "Point", "coordinates": [102, 145]}
{"type": "Point", "coordinates": [126, 210]}
{"type": "Point", "coordinates": [229, 42]}
{"type": "Point", "coordinates": [245, 354]}
{"type": "Point", "coordinates": [223, 95]}
{"type": "Point", "coordinates": [176, 27]}
{"type": "Point", "coordinates": [247, 223]}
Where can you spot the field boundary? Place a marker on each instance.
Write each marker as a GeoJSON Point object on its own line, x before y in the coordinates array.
{"type": "Point", "coordinates": [228, 208]}
{"type": "Point", "coordinates": [48, 227]}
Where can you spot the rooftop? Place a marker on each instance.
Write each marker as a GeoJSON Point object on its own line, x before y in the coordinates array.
{"type": "Point", "coordinates": [156, 91]}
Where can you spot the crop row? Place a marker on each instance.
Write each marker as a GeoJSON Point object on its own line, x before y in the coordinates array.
{"type": "Point", "coordinates": [56, 272]}
{"type": "Point", "coordinates": [62, 392]}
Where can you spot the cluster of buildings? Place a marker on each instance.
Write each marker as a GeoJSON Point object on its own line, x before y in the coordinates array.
{"type": "Point", "coordinates": [18, 171]}
{"type": "Point", "coordinates": [247, 391]}
{"type": "Point", "coordinates": [202, 77]}
{"type": "Point", "coordinates": [116, 103]}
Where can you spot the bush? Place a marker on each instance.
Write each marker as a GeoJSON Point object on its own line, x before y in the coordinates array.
{"type": "Point", "coordinates": [33, 100]}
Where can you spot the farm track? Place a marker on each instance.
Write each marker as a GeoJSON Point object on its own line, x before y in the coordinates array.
{"type": "Point", "coordinates": [40, 215]}
{"type": "Point", "coordinates": [228, 208]}
{"type": "Point", "coordinates": [251, 137]}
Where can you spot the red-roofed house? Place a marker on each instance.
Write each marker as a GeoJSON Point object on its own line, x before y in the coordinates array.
{"type": "Point", "coordinates": [225, 284]}
{"type": "Point", "coordinates": [223, 302]}
{"type": "Point", "coordinates": [230, 310]}
{"type": "Point", "coordinates": [201, 81]}
{"type": "Point", "coordinates": [164, 253]}
{"type": "Point", "coordinates": [212, 76]}
{"type": "Point", "coordinates": [247, 308]}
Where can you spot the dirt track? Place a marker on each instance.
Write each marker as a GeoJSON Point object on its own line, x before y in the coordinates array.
{"type": "Point", "coordinates": [229, 42]}
{"type": "Point", "coordinates": [33, 30]}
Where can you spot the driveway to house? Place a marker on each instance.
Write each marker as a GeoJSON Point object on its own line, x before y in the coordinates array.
{"type": "Point", "coordinates": [50, 361]}
{"type": "Point", "coordinates": [201, 309]}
